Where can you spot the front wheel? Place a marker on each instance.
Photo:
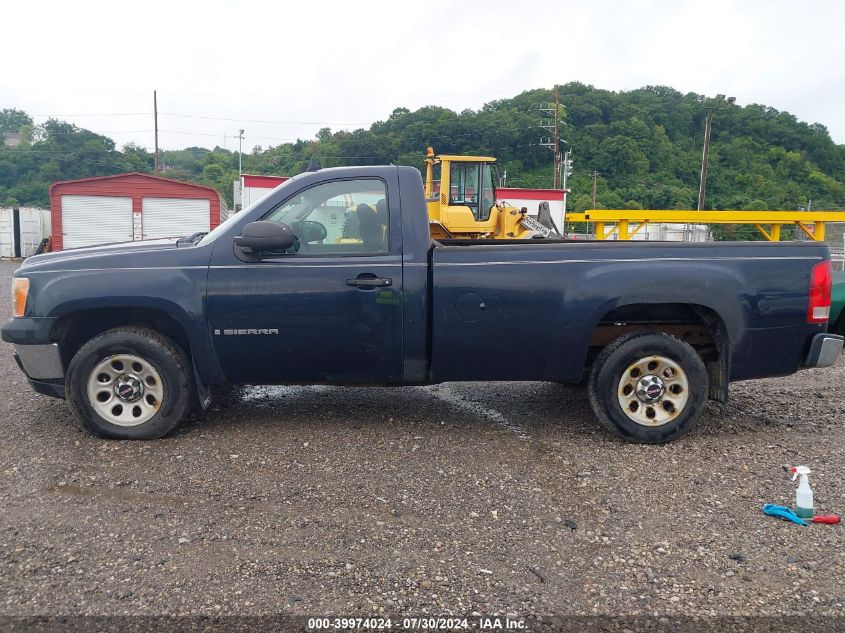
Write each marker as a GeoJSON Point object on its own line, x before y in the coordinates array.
{"type": "Point", "coordinates": [648, 388]}
{"type": "Point", "coordinates": [130, 383]}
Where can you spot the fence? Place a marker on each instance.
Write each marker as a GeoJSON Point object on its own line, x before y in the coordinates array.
{"type": "Point", "coordinates": [834, 237]}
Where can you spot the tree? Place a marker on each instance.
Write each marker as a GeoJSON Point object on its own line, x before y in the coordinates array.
{"type": "Point", "coordinates": [12, 120]}
{"type": "Point", "coordinates": [646, 143]}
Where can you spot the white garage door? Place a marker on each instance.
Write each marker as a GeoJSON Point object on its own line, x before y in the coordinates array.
{"type": "Point", "coordinates": [90, 220]}
{"type": "Point", "coordinates": [175, 217]}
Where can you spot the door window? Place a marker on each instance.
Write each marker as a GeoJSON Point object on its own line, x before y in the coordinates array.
{"type": "Point", "coordinates": [463, 186]}
{"type": "Point", "coordinates": [488, 192]}
{"type": "Point", "coordinates": [343, 217]}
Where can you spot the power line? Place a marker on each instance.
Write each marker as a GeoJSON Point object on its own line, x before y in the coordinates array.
{"type": "Point", "coordinates": [216, 118]}
{"type": "Point", "coordinates": [61, 151]}
{"type": "Point", "coordinates": [264, 96]}
{"type": "Point", "coordinates": [100, 133]}
{"type": "Point", "coordinates": [239, 120]}
{"type": "Point", "coordinates": [194, 116]}
{"type": "Point", "coordinates": [95, 114]}
{"type": "Point", "coordinates": [118, 154]}
{"type": "Point", "coordinates": [352, 140]}
{"type": "Point", "coordinates": [297, 138]}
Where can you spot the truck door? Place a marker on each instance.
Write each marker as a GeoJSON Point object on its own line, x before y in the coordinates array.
{"type": "Point", "coordinates": [329, 312]}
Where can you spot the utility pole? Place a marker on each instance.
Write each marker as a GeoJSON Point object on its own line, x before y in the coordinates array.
{"type": "Point", "coordinates": [240, 155]}
{"type": "Point", "coordinates": [557, 138]}
{"type": "Point", "coordinates": [595, 176]}
{"type": "Point", "coordinates": [566, 167]}
{"type": "Point", "coordinates": [554, 127]}
{"type": "Point", "coordinates": [708, 126]}
{"type": "Point", "coordinates": [155, 122]}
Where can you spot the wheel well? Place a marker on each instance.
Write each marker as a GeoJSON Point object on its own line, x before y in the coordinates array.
{"type": "Point", "coordinates": [701, 327]}
{"type": "Point", "coordinates": [75, 328]}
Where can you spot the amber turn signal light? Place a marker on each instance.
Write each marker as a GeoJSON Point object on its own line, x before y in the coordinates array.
{"type": "Point", "coordinates": [20, 288]}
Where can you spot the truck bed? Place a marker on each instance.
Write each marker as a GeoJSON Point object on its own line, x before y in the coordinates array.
{"type": "Point", "coordinates": [547, 297]}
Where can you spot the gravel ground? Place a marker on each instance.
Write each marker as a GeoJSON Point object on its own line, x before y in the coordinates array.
{"type": "Point", "coordinates": [453, 499]}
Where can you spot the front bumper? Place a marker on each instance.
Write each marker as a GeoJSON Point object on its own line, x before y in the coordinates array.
{"type": "Point", "coordinates": [824, 350]}
{"type": "Point", "coordinates": [40, 362]}
{"type": "Point", "coordinates": [38, 358]}
{"type": "Point", "coordinates": [54, 388]}
{"type": "Point", "coordinates": [37, 355]}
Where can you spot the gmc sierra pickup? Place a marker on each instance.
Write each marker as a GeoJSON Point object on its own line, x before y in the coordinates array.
{"type": "Point", "coordinates": [333, 278]}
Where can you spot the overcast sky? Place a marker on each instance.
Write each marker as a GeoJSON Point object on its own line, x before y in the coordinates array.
{"type": "Point", "coordinates": [283, 70]}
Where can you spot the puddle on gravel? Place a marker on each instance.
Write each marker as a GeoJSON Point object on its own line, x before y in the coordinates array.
{"type": "Point", "coordinates": [73, 490]}
{"type": "Point", "coordinates": [269, 392]}
{"type": "Point", "coordinates": [444, 393]}
{"type": "Point", "coordinates": [265, 393]}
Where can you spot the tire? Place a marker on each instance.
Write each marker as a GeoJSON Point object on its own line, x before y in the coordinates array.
{"type": "Point", "coordinates": [661, 381]}
{"type": "Point", "coordinates": [130, 383]}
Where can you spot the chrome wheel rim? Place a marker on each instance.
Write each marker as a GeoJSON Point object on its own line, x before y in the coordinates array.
{"type": "Point", "coordinates": [653, 391]}
{"type": "Point", "coordinates": [125, 390]}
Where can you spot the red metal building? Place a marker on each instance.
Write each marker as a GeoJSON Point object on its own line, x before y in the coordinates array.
{"type": "Point", "coordinates": [129, 207]}
{"type": "Point", "coordinates": [255, 187]}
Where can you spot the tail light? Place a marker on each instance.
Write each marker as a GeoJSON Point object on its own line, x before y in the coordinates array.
{"type": "Point", "coordinates": [821, 281]}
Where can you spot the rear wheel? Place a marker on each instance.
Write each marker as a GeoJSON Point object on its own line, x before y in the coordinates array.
{"type": "Point", "coordinates": [130, 383]}
{"type": "Point", "coordinates": [648, 388]}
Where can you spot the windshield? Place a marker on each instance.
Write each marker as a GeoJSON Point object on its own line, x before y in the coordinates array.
{"type": "Point", "coordinates": [224, 226]}
{"type": "Point", "coordinates": [466, 189]}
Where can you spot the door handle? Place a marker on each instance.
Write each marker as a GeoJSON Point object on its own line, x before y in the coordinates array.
{"type": "Point", "coordinates": [369, 282]}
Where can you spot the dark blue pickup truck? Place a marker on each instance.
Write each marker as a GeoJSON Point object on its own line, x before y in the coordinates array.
{"type": "Point", "coordinates": [333, 278]}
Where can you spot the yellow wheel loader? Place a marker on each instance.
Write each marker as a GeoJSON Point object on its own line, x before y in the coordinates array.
{"type": "Point", "coordinates": [464, 206]}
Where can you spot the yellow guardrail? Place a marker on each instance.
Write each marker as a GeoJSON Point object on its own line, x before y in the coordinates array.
{"type": "Point", "coordinates": [627, 222]}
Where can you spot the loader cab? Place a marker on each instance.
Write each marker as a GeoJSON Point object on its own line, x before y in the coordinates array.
{"type": "Point", "coordinates": [465, 202]}
{"type": "Point", "coordinates": [471, 185]}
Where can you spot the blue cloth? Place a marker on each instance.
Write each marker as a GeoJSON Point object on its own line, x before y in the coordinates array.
{"type": "Point", "coordinates": [784, 513]}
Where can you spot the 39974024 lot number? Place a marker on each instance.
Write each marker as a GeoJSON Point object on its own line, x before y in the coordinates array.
{"type": "Point", "coordinates": [378, 624]}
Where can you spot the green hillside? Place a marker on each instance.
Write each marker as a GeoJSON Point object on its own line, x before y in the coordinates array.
{"type": "Point", "coordinates": [645, 144]}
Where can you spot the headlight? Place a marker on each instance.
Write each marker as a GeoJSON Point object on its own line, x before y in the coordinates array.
{"type": "Point", "coordinates": [20, 289]}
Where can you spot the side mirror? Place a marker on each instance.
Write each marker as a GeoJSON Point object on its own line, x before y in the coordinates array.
{"type": "Point", "coordinates": [310, 232]}
{"type": "Point", "coordinates": [261, 236]}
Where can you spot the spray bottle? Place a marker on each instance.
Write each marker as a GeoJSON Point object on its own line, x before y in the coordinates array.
{"type": "Point", "coordinates": [804, 494]}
